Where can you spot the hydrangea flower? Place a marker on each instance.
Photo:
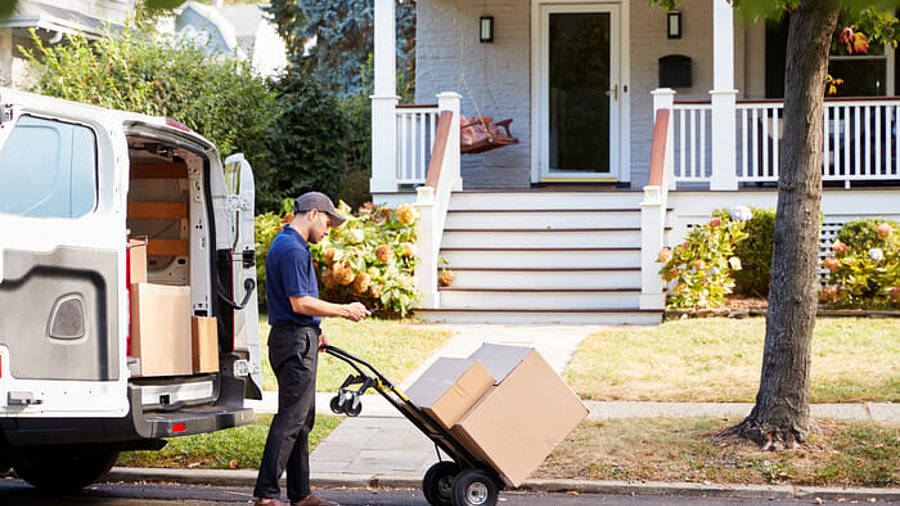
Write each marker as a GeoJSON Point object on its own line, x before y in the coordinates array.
{"type": "Point", "coordinates": [741, 213]}
{"type": "Point", "coordinates": [839, 247]}
{"type": "Point", "coordinates": [831, 263]}
{"type": "Point", "coordinates": [665, 255]}
{"type": "Point", "coordinates": [885, 231]}
{"type": "Point", "coordinates": [876, 254]}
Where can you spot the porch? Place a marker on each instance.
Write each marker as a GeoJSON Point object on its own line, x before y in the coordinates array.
{"type": "Point", "coordinates": [582, 254]}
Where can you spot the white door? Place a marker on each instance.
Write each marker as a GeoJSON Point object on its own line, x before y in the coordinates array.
{"type": "Point", "coordinates": [579, 92]}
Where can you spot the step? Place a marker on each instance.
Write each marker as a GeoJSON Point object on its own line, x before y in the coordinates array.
{"type": "Point", "coordinates": [556, 238]}
{"type": "Point", "coordinates": [624, 298]}
{"type": "Point", "coordinates": [546, 199]}
{"type": "Point", "coordinates": [560, 316]}
{"type": "Point", "coordinates": [526, 258]}
{"type": "Point", "coordinates": [549, 278]}
{"type": "Point", "coordinates": [542, 218]}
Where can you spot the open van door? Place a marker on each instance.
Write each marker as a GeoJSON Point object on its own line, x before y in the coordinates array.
{"type": "Point", "coordinates": [241, 194]}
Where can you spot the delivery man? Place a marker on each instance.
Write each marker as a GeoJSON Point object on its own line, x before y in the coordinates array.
{"type": "Point", "coordinates": [295, 313]}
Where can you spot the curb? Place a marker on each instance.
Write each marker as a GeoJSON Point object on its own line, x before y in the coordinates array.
{"type": "Point", "coordinates": [247, 478]}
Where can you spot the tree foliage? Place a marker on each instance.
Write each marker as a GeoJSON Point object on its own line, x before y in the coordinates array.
{"type": "Point", "coordinates": [344, 34]}
{"type": "Point", "coordinates": [220, 97]}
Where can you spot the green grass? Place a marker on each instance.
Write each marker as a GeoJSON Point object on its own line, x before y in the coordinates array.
{"type": "Point", "coordinates": [395, 347]}
{"type": "Point", "coordinates": [236, 448]}
{"type": "Point", "coordinates": [720, 359]}
{"type": "Point", "coordinates": [862, 454]}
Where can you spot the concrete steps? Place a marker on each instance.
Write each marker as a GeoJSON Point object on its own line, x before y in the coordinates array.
{"type": "Point", "coordinates": [543, 257]}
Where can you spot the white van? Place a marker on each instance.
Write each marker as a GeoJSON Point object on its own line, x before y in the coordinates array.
{"type": "Point", "coordinates": [78, 185]}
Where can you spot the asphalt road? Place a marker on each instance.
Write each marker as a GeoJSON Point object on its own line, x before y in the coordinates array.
{"type": "Point", "coordinates": [16, 492]}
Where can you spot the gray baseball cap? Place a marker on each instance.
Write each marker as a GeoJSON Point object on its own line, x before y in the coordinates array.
{"type": "Point", "coordinates": [319, 201]}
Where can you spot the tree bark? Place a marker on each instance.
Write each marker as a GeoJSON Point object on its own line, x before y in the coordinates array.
{"type": "Point", "coordinates": [781, 414]}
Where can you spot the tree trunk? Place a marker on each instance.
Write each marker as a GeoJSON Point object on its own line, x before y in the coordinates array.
{"type": "Point", "coordinates": [781, 414]}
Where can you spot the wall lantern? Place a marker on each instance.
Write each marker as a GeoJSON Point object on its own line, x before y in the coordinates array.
{"type": "Point", "coordinates": [673, 25]}
{"type": "Point", "coordinates": [486, 32]}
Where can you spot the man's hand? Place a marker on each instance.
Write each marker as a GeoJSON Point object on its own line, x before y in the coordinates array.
{"type": "Point", "coordinates": [356, 311]}
{"type": "Point", "coordinates": [323, 342]}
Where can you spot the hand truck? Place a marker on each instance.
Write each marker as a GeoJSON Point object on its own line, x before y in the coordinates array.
{"type": "Point", "coordinates": [462, 481]}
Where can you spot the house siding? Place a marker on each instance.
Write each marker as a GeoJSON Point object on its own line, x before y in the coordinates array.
{"type": "Point", "coordinates": [499, 74]}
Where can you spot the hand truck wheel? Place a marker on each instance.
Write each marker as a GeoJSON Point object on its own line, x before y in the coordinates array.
{"type": "Point", "coordinates": [336, 406]}
{"type": "Point", "coordinates": [438, 483]}
{"type": "Point", "coordinates": [353, 405]}
{"type": "Point", "coordinates": [475, 487]}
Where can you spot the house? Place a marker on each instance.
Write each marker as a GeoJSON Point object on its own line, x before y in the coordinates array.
{"type": "Point", "coordinates": [51, 20]}
{"type": "Point", "coordinates": [244, 30]}
{"type": "Point", "coordinates": [633, 123]}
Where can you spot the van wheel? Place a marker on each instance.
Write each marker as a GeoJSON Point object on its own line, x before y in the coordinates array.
{"type": "Point", "coordinates": [64, 470]}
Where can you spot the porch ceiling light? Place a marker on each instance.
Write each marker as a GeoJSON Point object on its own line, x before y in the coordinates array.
{"type": "Point", "coordinates": [486, 29]}
{"type": "Point", "coordinates": [673, 25]}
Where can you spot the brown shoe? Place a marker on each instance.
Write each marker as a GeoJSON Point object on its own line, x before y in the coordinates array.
{"type": "Point", "coordinates": [313, 500]}
{"type": "Point", "coordinates": [267, 501]}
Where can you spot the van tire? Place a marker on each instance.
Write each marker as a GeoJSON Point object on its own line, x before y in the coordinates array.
{"type": "Point", "coordinates": [65, 470]}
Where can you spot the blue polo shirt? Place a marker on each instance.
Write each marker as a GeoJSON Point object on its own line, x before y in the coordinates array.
{"type": "Point", "coordinates": [289, 273]}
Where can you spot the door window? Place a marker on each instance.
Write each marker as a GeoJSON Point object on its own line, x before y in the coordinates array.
{"type": "Point", "coordinates": [48, 168]}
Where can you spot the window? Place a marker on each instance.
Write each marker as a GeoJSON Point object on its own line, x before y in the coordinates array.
{"type": "Point", "coordinates": [48, 168]}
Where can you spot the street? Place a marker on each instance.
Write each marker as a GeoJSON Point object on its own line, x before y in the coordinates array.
{"type": "Point", "coordinates": [14, 492]}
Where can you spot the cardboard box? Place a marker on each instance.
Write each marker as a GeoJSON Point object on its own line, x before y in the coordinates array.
{"type": "Point", "coordinates": [516, 425]}
{"type": "Point", "coordinates": [204, 344]}
{"type": "Point", "coordinates": [448, 388]}
{"type": "Point", "coordinates": [161, 329]}
{"type": "Point", "coordinates": [500, 359]}
{"type": "Point", "coordinates": [137, 260]}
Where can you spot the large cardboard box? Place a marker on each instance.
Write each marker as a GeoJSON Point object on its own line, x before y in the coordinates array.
{"type": "Point", "coordinates": [204, 344]}
{"type": "Point", "coordinates": [137, 260]}
{"type": "Point", "coordinates": [516, 425]}
{"type": "Point", "coordinates": [449, 387]}
{"type": "Point", "coordinates": [161, 329]}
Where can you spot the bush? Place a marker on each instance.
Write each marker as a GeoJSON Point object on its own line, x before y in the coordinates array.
{"type": "Point", "coordinates": [864, 269]}
{"type": "Point", "coordinates": [143, 71]}
{"type": "Point", "coordinates": [701, 267]}
{"type": "Point", "coordinates": [370, 258]}
{"type": "Point", "coordinates": [755, 252]}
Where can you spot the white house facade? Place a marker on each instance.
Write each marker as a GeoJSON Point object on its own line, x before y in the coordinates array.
{"type": "Point", "coordinates": [633, 124]}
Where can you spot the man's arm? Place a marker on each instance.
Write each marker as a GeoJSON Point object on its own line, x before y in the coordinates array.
{"type": "Point", "coordinates": [312, 306]}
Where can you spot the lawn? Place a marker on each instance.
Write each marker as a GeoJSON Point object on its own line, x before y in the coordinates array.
{"type": "Point", "coordinates": [719, 360]}
{"type": "Point", "coordinates": [395, 347]}
{"type": "Point", "coordinates": [862, 454]}
{"type": "Point", "coordinates": [239, 447]}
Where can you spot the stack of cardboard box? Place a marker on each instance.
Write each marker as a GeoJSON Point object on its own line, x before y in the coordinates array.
{"type": "Point", "coordinates": [504, 404]}
{"type": "Point", "coordinates": [165, 338]}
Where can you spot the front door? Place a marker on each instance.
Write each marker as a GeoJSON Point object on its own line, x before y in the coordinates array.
{"type": "Point", "coordinates": [579, 93]}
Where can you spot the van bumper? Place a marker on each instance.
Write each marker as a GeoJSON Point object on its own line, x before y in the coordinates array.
{"type": "Point", "coordinates": [134, 429]}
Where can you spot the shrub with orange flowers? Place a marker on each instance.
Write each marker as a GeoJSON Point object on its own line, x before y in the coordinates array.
{"type": "Point", "coordinates": [700, 270]}
{"type": "Point", "coordinates": [370, 258]}
{"type": "Point", "coordinates": [863, 270]}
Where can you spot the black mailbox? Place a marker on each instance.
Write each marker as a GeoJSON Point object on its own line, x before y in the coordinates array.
{"type": "Point", "coordinates": [675, 71]}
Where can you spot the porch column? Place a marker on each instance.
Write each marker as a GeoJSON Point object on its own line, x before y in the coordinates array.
{"type": "Point", "coordinates": [450, 101]}
{"type": "Point", "coordinates": [724, 96]}
{"type": "Point", "coordinates": [384, 101]}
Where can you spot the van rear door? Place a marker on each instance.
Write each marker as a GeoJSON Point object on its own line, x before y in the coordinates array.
{"type": "Point", "coordinates": [241, 194]}
{"type": "Point", "coordinates": [62, 246]}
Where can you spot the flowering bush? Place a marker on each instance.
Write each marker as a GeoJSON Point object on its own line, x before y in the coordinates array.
{"type": "Point", "coordinates": [864, 267]}
{"type": "Point", "coordinates": [755, 252]}
{"type": "Point", "coordinates": [701, 267]}
{"type": "Point", "coordinates": [370, 258]}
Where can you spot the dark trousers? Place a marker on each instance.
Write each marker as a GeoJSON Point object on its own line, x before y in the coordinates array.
{"type": "Point", "coordinates": [293, 353]}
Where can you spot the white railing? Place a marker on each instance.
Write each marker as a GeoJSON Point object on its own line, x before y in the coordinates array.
{"type": "Point", "coordinates": [860, 141]}
{"type": "Point", "coordinates": [416, 126]}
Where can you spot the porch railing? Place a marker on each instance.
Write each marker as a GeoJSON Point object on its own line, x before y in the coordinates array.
{"type": "Point", "coordinates": [861, 140]}
{"type": "Point", "coordinates": [416, 127]}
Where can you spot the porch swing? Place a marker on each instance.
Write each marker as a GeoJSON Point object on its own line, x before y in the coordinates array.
{"type": "Point", "coordinates": [479, 133]}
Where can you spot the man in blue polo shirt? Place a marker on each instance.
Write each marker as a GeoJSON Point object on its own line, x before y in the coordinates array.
{"type": "Point", "coordinates": [295, 312]}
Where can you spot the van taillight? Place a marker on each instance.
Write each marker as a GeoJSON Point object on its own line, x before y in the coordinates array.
{"type": "Point", "coordinates": [128, 291]}
{"type": "Point", "coordinates": [178, 427]}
